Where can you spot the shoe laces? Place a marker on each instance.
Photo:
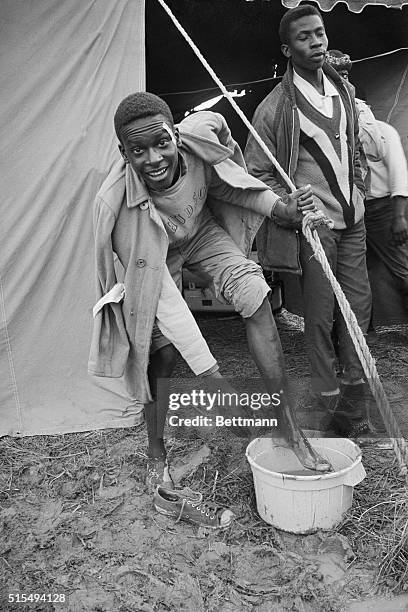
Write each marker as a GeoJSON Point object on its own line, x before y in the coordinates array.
{"type": "Point", "coordinates": [207, 508]}
{"type": "Point", "coordinates": [360, 428]}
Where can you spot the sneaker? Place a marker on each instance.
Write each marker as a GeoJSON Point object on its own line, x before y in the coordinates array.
{"type": "Point", "coordinates": [187, 505]}
{"type": "Point", "coordinates": [360, 428]}
{"type": "Point", "coordinates": [158, 473]}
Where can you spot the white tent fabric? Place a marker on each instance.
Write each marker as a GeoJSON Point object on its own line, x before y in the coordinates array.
{"type": "Point", "coordinates": [65, 67]}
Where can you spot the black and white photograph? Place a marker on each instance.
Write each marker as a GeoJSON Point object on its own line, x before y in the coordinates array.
{"type": "Point", "coordinates": [204, 306]}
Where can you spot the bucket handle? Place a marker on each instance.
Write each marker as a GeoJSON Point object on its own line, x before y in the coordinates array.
{"type": "Point", "coordinates": [355, 476]}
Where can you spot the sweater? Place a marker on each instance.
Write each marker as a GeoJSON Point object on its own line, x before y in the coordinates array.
{"type": "Point", "coordinates": [324, 162]}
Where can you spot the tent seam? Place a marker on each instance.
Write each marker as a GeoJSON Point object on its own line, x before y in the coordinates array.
{"type": "Point", "coordinates": [10, 356]}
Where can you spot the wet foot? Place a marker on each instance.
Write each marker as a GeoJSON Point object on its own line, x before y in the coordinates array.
{"type": "Point", "coordinates": [308, 457]}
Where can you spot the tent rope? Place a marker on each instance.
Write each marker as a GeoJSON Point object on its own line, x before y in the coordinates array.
{"type": "Point", "coordinates": [399, 444]}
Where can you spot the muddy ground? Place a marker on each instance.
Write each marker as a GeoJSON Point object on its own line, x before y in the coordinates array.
{"type": "Point", "coordinates": [75, 518]}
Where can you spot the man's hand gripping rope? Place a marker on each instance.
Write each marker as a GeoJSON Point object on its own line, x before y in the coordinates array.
{"type": "Point", "coordinates": [301, 209]}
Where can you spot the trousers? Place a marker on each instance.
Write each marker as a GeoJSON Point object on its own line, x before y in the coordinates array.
{"type": "Point", "coordinates": [346, 252]}
{"type": "Point", "coordinates": [378, 221]}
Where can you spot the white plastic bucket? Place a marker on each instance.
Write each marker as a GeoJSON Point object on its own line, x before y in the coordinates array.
{"type": "Point", "coordinates": [299, 503]}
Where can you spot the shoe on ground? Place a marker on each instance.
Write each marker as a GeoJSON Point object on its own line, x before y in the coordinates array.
{"type": "Point", "coordinates": [187, 505]}
{"type": "Point", "coordinates": [351, 418]}
{"type": "Point", "coordinates": [158, 473]}
{"type": "Point", "coordinates": [361, 428]}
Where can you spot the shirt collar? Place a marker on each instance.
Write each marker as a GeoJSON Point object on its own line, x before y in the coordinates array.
{"type": "Point", "coordinates": [305, 86]}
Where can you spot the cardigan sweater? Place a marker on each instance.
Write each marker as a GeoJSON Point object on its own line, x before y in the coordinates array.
{"type": "Point", "coordinates": [324, 162]}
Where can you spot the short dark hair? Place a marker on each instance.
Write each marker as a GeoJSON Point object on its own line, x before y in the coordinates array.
{"type": "Point", "coordinates": [138, 105]}
{"type": "Point", "coordinates": [293, 15]}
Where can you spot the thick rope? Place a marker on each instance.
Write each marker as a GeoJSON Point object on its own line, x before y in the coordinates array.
{"type": "Point", "coordinates": [363, 352]}
{"type": "Point", "coordinates": [399, 444]}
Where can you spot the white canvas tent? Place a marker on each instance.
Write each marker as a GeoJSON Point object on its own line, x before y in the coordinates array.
{"type": "Point", "coordinates": [65, 67]}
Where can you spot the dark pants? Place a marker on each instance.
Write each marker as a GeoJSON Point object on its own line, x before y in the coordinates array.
{"type": "Point", "coordinates": [378, 221]}
{"type": "Point", "coordinates": [346, 253]}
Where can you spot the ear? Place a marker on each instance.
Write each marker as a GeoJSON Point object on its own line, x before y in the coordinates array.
{"type": "Point", "coordinates": [286, 51]}
{"type": "Point", "coordinates": [177, 135]}
{"type": "Point", "coordinates": [123, 154]}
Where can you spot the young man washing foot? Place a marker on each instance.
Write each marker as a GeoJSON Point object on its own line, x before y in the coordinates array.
{"type": "Point", "coordinates": [181, 197]}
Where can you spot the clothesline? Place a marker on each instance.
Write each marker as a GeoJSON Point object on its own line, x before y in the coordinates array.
{"type": "Point", "coordinates": [234, 85]}
{"type": "Point", "coordinates": [265, 80]}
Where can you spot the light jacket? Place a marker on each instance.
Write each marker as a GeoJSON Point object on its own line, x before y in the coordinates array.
{"type": "Point", "coordinates": [126, 223]}
{"type": "Point", "coordinates": [277, 122]}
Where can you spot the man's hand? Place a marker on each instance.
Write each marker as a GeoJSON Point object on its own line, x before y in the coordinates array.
{"type": "Point", "coordinates": [297, 208]}
{"type": "Point", "coordinates": [399, 230]}
{"type": "Point", "coordinates": [299, 202]}
{"type": "Point", "coordinates": [399, 226]}
{"type": "Point", "coordinates": [295, 205]}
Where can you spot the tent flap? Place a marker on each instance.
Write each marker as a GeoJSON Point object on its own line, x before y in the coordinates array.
{"type": "Point", "coordinates": [65, 68]}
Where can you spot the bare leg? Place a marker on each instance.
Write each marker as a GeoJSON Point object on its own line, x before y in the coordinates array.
{"type": "Point", "coordinates": [266, 350]}
{"type": "Point", "coordinates": [161, 365]}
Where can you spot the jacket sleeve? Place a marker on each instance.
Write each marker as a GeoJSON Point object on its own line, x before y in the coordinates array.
{"type": "Point", "coordinates": [109, 344]}
{"type": "Point", "coordinates": [258, 200]}
{"type": "Point", "coordinates": [264, 122]}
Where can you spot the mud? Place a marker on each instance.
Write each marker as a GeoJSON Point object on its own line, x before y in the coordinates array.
{"type": "Point", "coordinates": [75, 519]}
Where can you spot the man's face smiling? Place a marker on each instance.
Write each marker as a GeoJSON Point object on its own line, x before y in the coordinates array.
{"type": "Point", "coordinates": [151, 150]}
{"type": "Point", "coordinates": [307, 43]}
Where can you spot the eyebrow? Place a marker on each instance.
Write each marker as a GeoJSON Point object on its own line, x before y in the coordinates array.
{"type": "Point", "coordinates": [320, 27]}
{"type": "Point", "coordinates": [135, 140]}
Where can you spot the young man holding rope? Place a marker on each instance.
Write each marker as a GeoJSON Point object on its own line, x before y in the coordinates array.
{"type": "Point", "coordinates": [309, 123]}
{"type": "Point", "coordinates": [181, 196]}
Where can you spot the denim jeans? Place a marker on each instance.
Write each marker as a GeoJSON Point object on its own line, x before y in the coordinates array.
{"type": "Point", "coordinates": [346, 252]}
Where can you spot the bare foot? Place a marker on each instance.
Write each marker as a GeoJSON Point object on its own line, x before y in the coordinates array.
{"type": "Point", "coordinates": [308, 457]}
